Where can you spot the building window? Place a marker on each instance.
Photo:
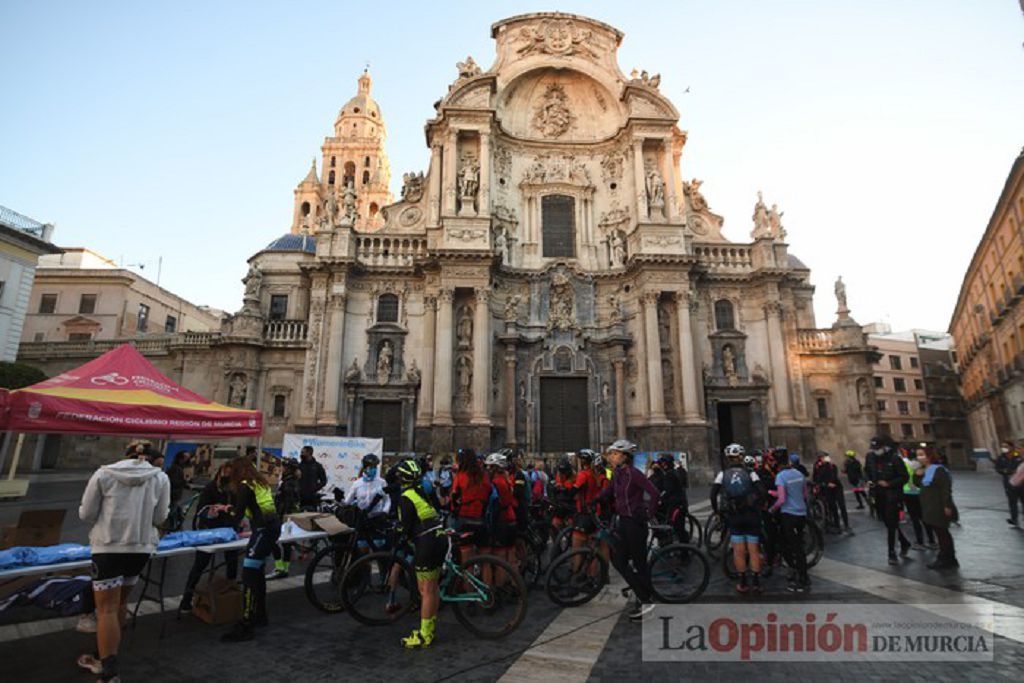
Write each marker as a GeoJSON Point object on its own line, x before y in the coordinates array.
{"type": "Point", "coordinates": [927, 429]}
{"type": "Point", "coordinates": [907, 430]}
{"type": "Point", "coordinates": [143, 320]}
{"type": "Point", "coordinates": [171, 325]}
{"type": "Point", "coordinates": [879, 383]}
{"type": "Point", "coordinates": [350, 173]}
{"type": "Point", "coordinates": [278, 306]}
{"type": "Point", "coordinates": [279, 405]}
{"type": "Point", "coordinates": [822, 408]}
{"type": "Point", "coordinates": [87, 304]}
{"type": "Point", "coordinates": [725, 318]}
{"type": "Point", "coordinates": [895, 363]}
{"type": "Point", "coordinates": [558, 218]}
{"type": "Point", "coordinates": [330, 178]}
{"type": "Point", "coordinates": [918, 384]}
{"type": "Point", "coordinates": [886, 428]}
{"type": "Point", "coordinates": [881, 406]}
{"type": "Point", "coordinates": [39, 336]}
{"type": "Point", "coordinates": [48, 303]}
{"type": "Point", "coordinates": [922, 407]}
{"type": "Point", "coordinates": [913, 361]}
{"type": "Point", "coordinates": [79, 336]}
{"type": "Point", "coordinates": [332, 162]}
{"type": "Point", "coordinates": [305, 208]}
{"type": "Point", "coordinates": [903, 407]}
{"type": "Point", "coordinates": [373, 209]}
{"type": "Point", "coordinates": [387, 308]}
{"type": "Point", "coordinates": [366, 162]}
{"type": "Point", "coordinates": [899, 384]}
{"type": "Point", "coordinates": [366, 177]}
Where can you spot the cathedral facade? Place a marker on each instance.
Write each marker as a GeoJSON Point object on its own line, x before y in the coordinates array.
{"type": "Point", "coordinates": [551, 281]}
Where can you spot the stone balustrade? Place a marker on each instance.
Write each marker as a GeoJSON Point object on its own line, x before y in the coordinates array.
{"type": "Point", "coordinates": [724, 257]}
{"type": "Point", "coordinates": [390, 250]}
{"type": "Point", "coordinates": [284, 331]}
{"type": "Point", "coordinates": [158, 346]}
{"type": "Point", "coordinates": [816, 340]}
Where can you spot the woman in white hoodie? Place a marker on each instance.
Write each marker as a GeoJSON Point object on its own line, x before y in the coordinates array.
{"type": "Point", "coordinates": [125, 502]}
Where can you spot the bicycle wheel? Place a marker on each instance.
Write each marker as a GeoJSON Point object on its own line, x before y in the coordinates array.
{"type": "Point", "coordinates": [563, 542]}
{"type": "Point", "coordinates": [814, 543]}
{"type": "Point", "coordinates": [576, 577]}
{"type": "Point", "coordinates": [492, 599]}
{"type": "Point", "coordinates": [817, 511]}
{"type": "Point", "coordinates": [693, 530]}
{"type": "Point", "coordinates": [322, 583]}
{"type": "Point", "coordinates": [715, 535]}
{"type": "Point", "coordinates": [367, 593]}
{"type": "Point", "coordinates": [531, 567]}
{"type": "Point", "coordinates": [678, 573]}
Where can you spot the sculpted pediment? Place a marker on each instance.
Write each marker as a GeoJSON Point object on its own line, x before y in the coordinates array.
{"type": "Point", "coordinates": [473, 95]}
{"type": "Point", "coordinates": [647, 105]}
{"type": "Point", "coordinates": [559, 105]}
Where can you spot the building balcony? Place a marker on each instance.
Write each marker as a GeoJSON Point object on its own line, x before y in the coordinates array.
{"type": "Point", "coordinates": [718, 258]}
{"type": "Point", "coordinates": [158, 346]}
{"type": "Point", "coordinates": [284, 332]}
{"type": "Point", "coordinates": [393, 251]}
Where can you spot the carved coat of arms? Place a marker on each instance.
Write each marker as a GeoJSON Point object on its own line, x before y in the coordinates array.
{"type": "Point", "coordinates": [553, 116]}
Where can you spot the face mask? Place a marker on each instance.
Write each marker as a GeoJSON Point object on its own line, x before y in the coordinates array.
{"type": "Point", "coordinates": [370, 473]}
{"type": "Point", "coordinates": [1005, 450]}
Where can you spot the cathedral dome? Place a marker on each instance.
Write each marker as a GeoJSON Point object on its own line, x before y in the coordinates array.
{"type": "Point", "coordinates": [291, 242]}
{"type": "Point", "coordinates": [362, 105]}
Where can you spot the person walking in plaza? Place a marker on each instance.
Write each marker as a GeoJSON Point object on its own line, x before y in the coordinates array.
{"type": "Point", "coordinates": [256, 502]}
{"type": "Point", "coordinates": [629, 555]}
{"type": "Point", "coordinates": [791, 502]}
{"type": "Point", "coordinates": [125, 502]}
{"type": "Point", "coordinates": [855, 475]}
{"type": "Point", "coordinates": [312, 479]}
{"type": "Point", "coordinates": [888, 474]}
{"type": "Point", "coordinates": [214, 510]}
{"type": "Point", "coordinates": [912, 503]}
{"type": "Point", "coordinates": [1006, 465]}
{"type": "Point", "coordinates": [937, 507]}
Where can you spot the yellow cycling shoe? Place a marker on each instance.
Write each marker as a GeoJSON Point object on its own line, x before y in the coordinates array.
{"type": "Point", "coordinates": [417, 640]}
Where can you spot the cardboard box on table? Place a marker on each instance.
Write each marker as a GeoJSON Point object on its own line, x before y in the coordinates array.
{"type": "Point", "coordinates": [318, 521]}
{"type": "Point", "coordinates": [218, 601]}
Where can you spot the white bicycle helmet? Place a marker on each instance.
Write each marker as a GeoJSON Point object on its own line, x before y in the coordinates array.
{"type": "Point", "coordinates": [623, 445]}
{"type": "Point", "coordinates": [749, 461]}
{"type": "Point", "coordinates": [734, 451]}
{"type": "Point", "coordinates": [497, 459]}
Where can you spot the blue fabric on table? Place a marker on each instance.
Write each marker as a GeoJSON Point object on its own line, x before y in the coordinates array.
{"type": "Point", "coordinates": [24, 556]}
{"type": "Point", "coordinates": [188, 539]}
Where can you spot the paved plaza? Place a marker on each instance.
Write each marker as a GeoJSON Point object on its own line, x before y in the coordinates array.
{"type": "Point", "coordinates": [594, 642]}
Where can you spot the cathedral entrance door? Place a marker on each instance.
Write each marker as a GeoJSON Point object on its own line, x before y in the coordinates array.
{"type": "Point", "coordinates": [734, 424]}
{"type": "Point", "coordinates": [564, 425]}
{"type": "Point", "coordinates": [383, 420]}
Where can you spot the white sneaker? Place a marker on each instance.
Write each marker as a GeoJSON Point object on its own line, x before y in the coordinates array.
{"type": "Point", "coordinates": [86, 623]}
{"type": "Point", "coordinates": [641, 611]}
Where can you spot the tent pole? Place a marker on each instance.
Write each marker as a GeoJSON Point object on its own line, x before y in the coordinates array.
{"type": "Point", "coordinates": [259, 451]}
{"type": "Point", "coordinates": [17, 455]}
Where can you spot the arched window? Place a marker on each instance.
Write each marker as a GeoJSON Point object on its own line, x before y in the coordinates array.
{"type": "Point", "coordinates": [366, 177]}
{"type": "Point", "coordinates": [724, 317]}
{"type": "Point", "coordinates": [332, 162]}
{"type": "Point", "coordinates": [387, 308]}
{"type": "Point", "coordinates": [305, 208]}
{"type": "Point", "coordinates": [558, 225]}
{"type": "Point", "coordinates": [330, 178]}
{"type": "Point", "coordinates": [373, 209]}
{"type": "Point", "coordinates": [366, 161]}
{"type": "Point", "coordinates": [350, 173]}
{"type": "Point", "coordinates": [280, 402]}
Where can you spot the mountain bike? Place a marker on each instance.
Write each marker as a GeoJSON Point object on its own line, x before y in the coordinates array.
{"type": "Point", "coordinates": [487, 594]}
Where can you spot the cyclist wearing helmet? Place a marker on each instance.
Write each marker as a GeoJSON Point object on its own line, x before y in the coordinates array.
{"type": "Point", "coordinates": [471, 490]}
{"type": "Point", "coordinates": [420, 524]}
{"type": "Point", "coordinates": [562, 494]}
{"type": "Point", "coordinates": [628, 489]}
{"type": "Point", "coordinates": [664, 478]}
{"type": "Point", "coordinates": [855, 475]}
{"type": "Point", "coordinates": [742, 514]}
{"type": "Point", "coordinates": [367, 492]}
{"type": "Point", "coordinates": [501, 508]}
{"type": "Point", "coordinates": [587, 489]}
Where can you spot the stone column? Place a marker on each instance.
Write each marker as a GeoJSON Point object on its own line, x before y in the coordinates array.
{"type": "Point", "coordinates": [426, 405]}
{"type": "Point", "coordinates": [777, 351]}
{"type": "Point", "coordinates": [510, 394]}
{"type": "Point", "coordinates": [641, 181]}
{"type": "Point", "coordinates": [484, 197]}
{"type": "Point", "coordinates": [688, 367]}
{"type": "Point", "coordinates": [311, 391]}
{"type": "Point", "coordinates": [654, 379]}
{"type": "Point", "coordinates": [434, 187]}
{"type": "Point", "coordinates": [620, 398]}
{"type": "Point", "coordinates": [451, 182]}
{"type": "Point", "coordinates": [669, 172]}
{"type": "Point", "coordinates": [335, 351]}
{"type": "Point", "coordinates": [443, 359]}
{"type": "Point", "coordinates": [481, 358]}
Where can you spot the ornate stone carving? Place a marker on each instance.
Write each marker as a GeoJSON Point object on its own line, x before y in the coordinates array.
{"type": "Point", "coordinates": [464, 373]}
{"type": "Point", "coordinates": [864, 395]}
{"type": "Point", "coordinates": [661, 240]}
{"type": "Point", "coordinates": [614, 308]}
{"type": "Point", "coordinates": [330, 215]}
{"type": "Point", "coordinates": [469, 180]}
{"type": "Point", "coordinates": [557, 168]}
{"type": "Point", "coordinates": [561, 303]}
{"type": "Point", "coordinates": [238, 390]}
{"type": "Point", "coordinates": [464, 327]}
{"type": "Point", "coordinates": [617, 247]}
{"type": "Point", "coordinates": [251, 299]}
{"type": "Point", "coordinates": [385, 359]}
{"type": "Point", "coordinates": [729, 365]}
{"type": "Point", "coordinates": [643, 79]}
{"type": "Point", "coordinates": [559, 37]}
{"type": "Point", "coordinates": [611, 167]}
{"type": "Point", "coordinates": [762, 225]}
{"type": "Point", "coordinates": [614, 216]}
{"type": "Point", "coordinates": [840, 290]}
{"type": "Point", "coordinates": [691, 190]}
{"type": "Point", "coordinates": [468, 68]}
{"type": "Point", "coordinates": [775, 222]}
{"type": "Point", "coordinates": [655, 189]}
{"type": "Point", "coordinates": [511, 311]}
{"type": "Point", "coordinates": [552, 118]}
{"type": "Point", "coordinates": [348, 203]}
{"type": "Point", "coordinates": [412, 187]}
{"type": "Point", "coordinates": [410, 217]}
{"type": "Point", "coordinates": [354, 373]}
{"type": "Point", "coordinates": [502, 245]}
{"type": "Point", "coordinates": [502, 162]}
{"type": "Point", "coordinates": [412, 375]}
{"type": "Point", "coordinates": [465, 234]}
{"type": "Point", "coordinates": [698, 225]}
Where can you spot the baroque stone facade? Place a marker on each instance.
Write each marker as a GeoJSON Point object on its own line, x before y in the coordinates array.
{"type": "Point", "coordinates": [550, 281]}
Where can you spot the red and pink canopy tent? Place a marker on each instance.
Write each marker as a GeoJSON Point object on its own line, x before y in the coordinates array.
{"type": "Point", "coordinates": [120, 393]}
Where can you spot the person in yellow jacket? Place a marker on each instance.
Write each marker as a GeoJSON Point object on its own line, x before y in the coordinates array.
{"type": "Point", "coordinates": [255, 500]}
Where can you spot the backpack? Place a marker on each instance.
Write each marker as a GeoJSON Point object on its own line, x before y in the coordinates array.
{"type": "Point", "coordinates": [492, 509]}
{"type": "Point", "coordinates": [738, 487]}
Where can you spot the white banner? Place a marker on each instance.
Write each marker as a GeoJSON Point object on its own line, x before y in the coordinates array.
{"type": "Point", "coordinates": [340, 455]}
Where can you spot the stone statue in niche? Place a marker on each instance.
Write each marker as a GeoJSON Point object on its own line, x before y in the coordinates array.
{"type": "Point", "coordinates": [863, 394]}
{"type": "Point", "coordinates": [560, 305]}
{"type": "Point", "coordinates": [348, 202]}
{"type": "Point", "coordinates": [614, 303]}
{"type": "Point", "coordinates": [354, 374]}
{"type": "Point", "coordinates": [501, 245]}
{"type": "Point", "coordinates": [552, 117]}
{"type": "Point", "coordinates": [522, 392]}
{"type": "Point", "coordinates": [655, 189]}
{"type": "Point", "coordinates": [385, 358]}
{"type": "Point", "coordinates": [617, 245]}
{"type": "Point", "coordinates": [468, 68]}
{"type": "Point", "coordinates": [729, 364]}
{"type": "Point", "coordinates": [413, 373]}
{"type": "Point", "coordinates": [252, 281]}
{"type": "Point", "coordinates": [464, 372]}
{"type": "Point", "coordinates": [511, 307]}
{"type": "Point", "coordinates": [762, 224]}
{"type": "Point", "coordinates": [412, 187]}
{"type": "Point", "coordinates": [464, 328]}
{"type": "Point", "coordinates": [469, 183]}
{"type": "Point", "coordinates": [238, 390]}
{"type": "Point", "coordinates": [605, 392]}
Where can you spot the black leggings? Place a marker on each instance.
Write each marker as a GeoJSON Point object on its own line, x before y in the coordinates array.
{"type": "Point", "coordinates": [793, 542]}
{"type": "Point", "coordinates": [913, 505]}
{"type": "Point", "coordinates": [254, 583]}
{"type": "Point", "coordinates": [629, 555]}
{"type": "Point", "coordinates": [888, 505]}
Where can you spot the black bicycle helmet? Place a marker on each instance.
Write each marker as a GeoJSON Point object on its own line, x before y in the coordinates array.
{"type": "Point", "coordinates": [408, 472]}
{"type": "Point", "coordinates": [587, 455]}
{"type": "Point", "coordinates": [370, 460]}
{"type": "Point", "coordinates": [564, 465]}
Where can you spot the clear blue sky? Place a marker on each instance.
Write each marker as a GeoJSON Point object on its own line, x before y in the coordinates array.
{"type": "Point", "coordinates": [884, 129]}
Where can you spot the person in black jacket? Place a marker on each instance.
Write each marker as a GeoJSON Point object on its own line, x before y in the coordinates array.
{"type": "Point", "coordinates": [287, 502]}
{"type": "Point", "coordinates": [214, 509]}
{"type": "Point", "coordinates": [313, 477]}
{"type": "Point", "coordinates": [855, 475]}
{"type": "Point", "coordinates": [1006, 464]}
{"type": "Point", "coordinates": [888, 474]}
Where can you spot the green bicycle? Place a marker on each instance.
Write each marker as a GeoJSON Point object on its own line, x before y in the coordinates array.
{"type": "Point", "coordinates": [486, 592]}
